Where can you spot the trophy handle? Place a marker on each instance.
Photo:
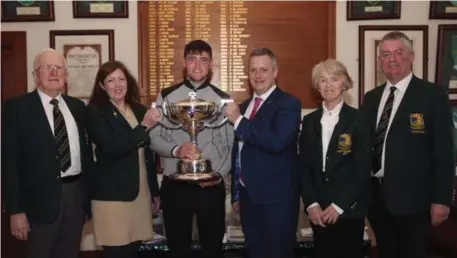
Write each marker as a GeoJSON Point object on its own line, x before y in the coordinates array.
{"type": "Point", "coordinates": [164, 109]}
{"type": "Point", "coordinates": [219, 112]}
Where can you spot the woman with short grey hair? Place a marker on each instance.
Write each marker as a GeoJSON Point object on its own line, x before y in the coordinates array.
{"type": "Point", "coordinates": [335, 166]}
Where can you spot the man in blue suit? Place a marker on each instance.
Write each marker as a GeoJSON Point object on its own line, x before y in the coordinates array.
{"type": "Point", "coordinates": [266, 130]}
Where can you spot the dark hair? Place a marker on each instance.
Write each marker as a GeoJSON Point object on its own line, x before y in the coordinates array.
{"type": "Point", "coordinates": [99, 96]}
{"type": "Point", "coordinates": [197, 47]}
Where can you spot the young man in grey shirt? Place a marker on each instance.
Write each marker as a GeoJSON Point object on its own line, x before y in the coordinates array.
{"type": "Point", "coordinates": [180, 200]}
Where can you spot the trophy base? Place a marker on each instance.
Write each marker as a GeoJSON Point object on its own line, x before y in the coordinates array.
{"type": "Point", "coordinates": [195, 177]}
{"type": "Point", "coordinates": [195, 170]}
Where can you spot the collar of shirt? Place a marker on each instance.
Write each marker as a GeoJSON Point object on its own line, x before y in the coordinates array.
{"type": "Point", "coordinates": [265, 95]}
{"type": "Point", "coordinates": [401, 85]}
{"type": "Point", "coordinates": [46, 99]}
{"type": "Point", "coordinates": [335, 111]}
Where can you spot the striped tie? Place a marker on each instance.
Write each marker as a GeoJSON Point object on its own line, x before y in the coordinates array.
{"type": "Point", "coordinates": [61, 137]}
{"type": "Point", "coordinates": [381, 131]}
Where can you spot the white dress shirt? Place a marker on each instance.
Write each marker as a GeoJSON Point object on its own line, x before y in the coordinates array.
{"type": "Point", "coordinates": [247, 114]}
{"type": "Point", "coordinates": [329, 120]}
{"type": "Point", "coordinates": [72, 131]}
{"type": "Point", "coordinates": [398, 96]}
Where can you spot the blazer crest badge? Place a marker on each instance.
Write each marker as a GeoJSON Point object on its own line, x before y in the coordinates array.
{"type": "Point", "coordinates": [344, 144]}
{"type": "Point", "coordinates": [416, 123]}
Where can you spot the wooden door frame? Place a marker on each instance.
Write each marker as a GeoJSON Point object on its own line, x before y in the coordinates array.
{"type": "Point", "coordinates": [16, 41]}
{"type": "Point", "coordinates": [21, 43]}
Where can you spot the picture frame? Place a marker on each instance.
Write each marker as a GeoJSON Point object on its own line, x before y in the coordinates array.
{"type": "Point", "coordinates": [444, 10]}
{"type": "Point", "coordinates": [446, 60]}
{"type": "Point", "coordinates": [27, 11]}
{"type": "Point", "coordinates": [369, 37]}
{"type": "Point", "coordinates": [85, 51]}
{"type": "Point", "coordinates": [372, 10]}
{"type": "Point", "coordinates": [100, 9]}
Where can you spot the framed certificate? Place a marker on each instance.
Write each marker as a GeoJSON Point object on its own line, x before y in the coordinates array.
{"type": "Point", "coordinates": [373, 10]}
{"type": "Point", "coordinates": [446, 60]}
{"type": "Point", "coordinates": [85, 51]}
{"type": "Point", "coordinates": [100, 9]}
{"type": "Point", "coordinates": [443, 9]}
{"type": "Point", "coordinates": [27, 11]}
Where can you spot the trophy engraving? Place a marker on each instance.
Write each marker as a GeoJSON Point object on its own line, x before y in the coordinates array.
{"type": "Point", "coordinates": [193, 115]}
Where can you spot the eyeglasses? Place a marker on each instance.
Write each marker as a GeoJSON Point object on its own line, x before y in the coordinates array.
{"type": "Point", "coordinates": [50, 68]}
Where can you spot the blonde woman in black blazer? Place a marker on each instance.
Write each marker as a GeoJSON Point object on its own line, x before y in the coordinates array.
{"type": "Point", "coordinates": [335, 166]}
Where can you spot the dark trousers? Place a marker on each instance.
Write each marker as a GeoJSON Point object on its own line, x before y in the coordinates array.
{"type": "Point", "coordinates": [180, 201]}
{"type": "Point", "coordinates": [269, 228]}
{"type": "Point", "coordinates": [397, 236]}
{"type": "Point", "coordinates": [340, 240]}
{"type": "Point", "coordinates": [125, 251]}
{"type": "Point", "coordinates": [62, 238]}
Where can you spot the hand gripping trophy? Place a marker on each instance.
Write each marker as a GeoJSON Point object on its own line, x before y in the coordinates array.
{"type": "Point", "coordinates": [193, 115]}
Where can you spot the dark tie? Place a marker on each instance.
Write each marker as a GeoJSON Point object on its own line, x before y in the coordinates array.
{"type": "Point", "coordinates": [61, 137]}
{"type": "Point", "coordinates": [381, 131]}
{"type": "Point", "coordinates": [256, 107]}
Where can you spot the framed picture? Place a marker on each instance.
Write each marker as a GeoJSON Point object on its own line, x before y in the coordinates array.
{"type": "Point", "coordinates": [370, 76]}
{"type": "Point", "coordinates": [85, 51]}
{"type": "Point", "coordinates": [100, 9]}
{"type": "Point", "coordinates": [372, 10]}
{"type": "Point", "coordinates": [27, 11]}
{"type": "Point", "coordinates": [443, 9]}
{"type": "Point", "coordinates": [446, 59]}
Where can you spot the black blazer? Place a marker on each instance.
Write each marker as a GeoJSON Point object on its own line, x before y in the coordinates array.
{"type": "Point", "coordinates": [346, 180]}
{"type": "Point", "coordinates": [116, 173]}
{"type": "Point", "coordinates": [419, 154]}
{"type": "Point", "coordinates": [30, 170]}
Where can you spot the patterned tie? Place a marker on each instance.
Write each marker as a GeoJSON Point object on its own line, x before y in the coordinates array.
{"type": "Point", "coordinates": [256, 107]}
{"type": "Point", "coordinates": [381, 131]}
{"type": "Point", "coordinates": [61, 137]}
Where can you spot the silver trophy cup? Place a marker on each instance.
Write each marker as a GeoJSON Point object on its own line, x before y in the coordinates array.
{"type": "Point", "coordinates": [193, 115]}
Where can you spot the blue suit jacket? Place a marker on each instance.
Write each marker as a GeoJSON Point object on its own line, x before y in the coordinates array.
{"type": "Point", "coordinates": [269, 153]}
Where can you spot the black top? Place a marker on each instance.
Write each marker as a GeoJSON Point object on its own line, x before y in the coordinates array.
{"type": "Point", "coordinates": [419, 153]}
{"type": "Point", "coordinates": [346, 179]}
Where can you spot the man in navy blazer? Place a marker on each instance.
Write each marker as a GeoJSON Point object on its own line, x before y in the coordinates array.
{"type": "Point", "coordinates": [266, 131]}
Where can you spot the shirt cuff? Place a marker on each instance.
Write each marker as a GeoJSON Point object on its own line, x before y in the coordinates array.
{"type": "Point", "coordinates": [312, 205]}
{"type": "Point", "coordinates": [237, 122]}
{"type": "Point", "coordinates": [174, 151]}
{"type": "Point", "coordinates": [338, 209]}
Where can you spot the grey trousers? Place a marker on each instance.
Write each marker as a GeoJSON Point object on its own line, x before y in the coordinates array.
{"type": "Point", "coordinates": [62, 238]}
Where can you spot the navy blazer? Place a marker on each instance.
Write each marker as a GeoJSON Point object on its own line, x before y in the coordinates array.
{"type": "Point", "coordinates": [269, 153]}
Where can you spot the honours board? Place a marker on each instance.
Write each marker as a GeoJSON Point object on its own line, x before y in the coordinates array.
{"type": "Point", "coordinates": [300, 34]}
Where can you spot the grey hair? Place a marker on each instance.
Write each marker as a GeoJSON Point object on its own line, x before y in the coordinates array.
{"type": "Point", "coordinates": [333, 67]}
{"type": "Point", "coordinates": [265, 52]}
{"type": "Point", "coordinates": [397, 35]}
{"type": "Point", "coordinates": [46, 50]}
